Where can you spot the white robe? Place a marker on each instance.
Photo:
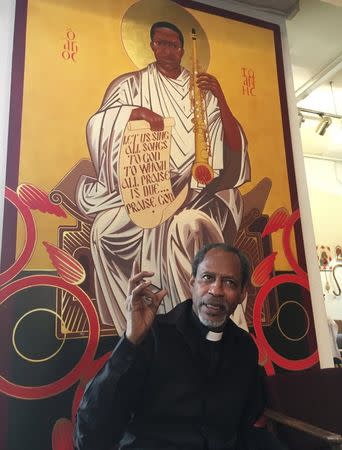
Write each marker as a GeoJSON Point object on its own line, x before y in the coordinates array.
{"type": "Point", "coordinates": [169, 248]}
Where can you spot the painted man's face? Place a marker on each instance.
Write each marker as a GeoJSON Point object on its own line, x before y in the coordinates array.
{"type": "Point", "coordinates": [216, 288]}
{"type": "Point", "coordinates": [167, 49]}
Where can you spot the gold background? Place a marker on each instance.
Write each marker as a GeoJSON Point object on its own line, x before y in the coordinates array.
{"type": "Point", "coordinates": [61, 95]}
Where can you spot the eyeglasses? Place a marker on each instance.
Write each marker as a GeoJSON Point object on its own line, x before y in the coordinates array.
{"type": "Point", "coordinates": [166, 44]}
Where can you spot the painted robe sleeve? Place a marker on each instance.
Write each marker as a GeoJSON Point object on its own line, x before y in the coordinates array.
{"type": "Point", "coordinates": [105, 131]}
{"type": "Point", "coordinates": [236, 167]}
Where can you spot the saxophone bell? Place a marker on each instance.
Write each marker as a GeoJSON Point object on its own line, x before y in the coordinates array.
{"type": "Point", "coordinates": [202, 172]}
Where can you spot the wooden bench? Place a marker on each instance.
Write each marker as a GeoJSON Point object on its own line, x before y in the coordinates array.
{"type": "Point", "coordinates": [304, 408]}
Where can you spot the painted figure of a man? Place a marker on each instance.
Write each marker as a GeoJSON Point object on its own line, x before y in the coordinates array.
{"type": "Point", "coordinates": [210, 213]}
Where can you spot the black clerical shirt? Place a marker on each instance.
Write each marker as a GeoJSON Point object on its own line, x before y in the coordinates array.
{"type": "Point", "coordinates": [176, 390]}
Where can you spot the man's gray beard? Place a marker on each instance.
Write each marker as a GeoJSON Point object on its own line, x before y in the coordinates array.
{"type": "Point", "coordinates": [212, 324]}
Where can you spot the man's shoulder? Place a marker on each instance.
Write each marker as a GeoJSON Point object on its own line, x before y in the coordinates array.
{"type": "Point", "coordinates": [238, 331]}
{"type": "Point", "coordinates": [122, 79]}
{"type": "Point", "coordinates": [242, 338]}
{"type": "Point", "coordinates": [177, 313]}
{"type": "Point", "coordinates": [134, 75]}
{"type": "Point", "coordinates": [125, 81]}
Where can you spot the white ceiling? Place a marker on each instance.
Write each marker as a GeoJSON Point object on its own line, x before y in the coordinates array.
{"type": "Point", "coordinates": [315, 39]}
{"type": "Point", "coordinates": [287, 8]}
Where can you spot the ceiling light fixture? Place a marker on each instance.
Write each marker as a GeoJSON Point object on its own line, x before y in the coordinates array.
{"type": "Point", "coordinates": [323, 125]}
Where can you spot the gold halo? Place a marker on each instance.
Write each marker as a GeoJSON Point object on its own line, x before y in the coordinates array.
{"type": "Point", "coordinates": [307, 319]}
{"type": "Point", "coordinates": [135, 31]}
{"type": "Point", "coordinates": [15, 329]}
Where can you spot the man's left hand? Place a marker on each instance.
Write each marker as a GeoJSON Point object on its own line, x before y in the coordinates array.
{"type": "Point", "coordinates": [208, 82]}
{"type": "Point", "coordinates": [141, 305]}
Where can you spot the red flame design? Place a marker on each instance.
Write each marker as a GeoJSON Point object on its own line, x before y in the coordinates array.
{"type": "Point", "coordinates": [263, 270]}
{"type": "Point", "coordinates": [66, 265]}
{"type": "Point", "coordinates": [276, 221]}
{"type": "Point", "coordinates": [62, 435]}
{"type": "Point", "coordinates": [37, 199]}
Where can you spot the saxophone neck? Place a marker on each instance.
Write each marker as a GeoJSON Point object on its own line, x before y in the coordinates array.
{"type": "Point", "coordinates": [194, 89]}
{"type": "Point", "coordinates": [194, 52]}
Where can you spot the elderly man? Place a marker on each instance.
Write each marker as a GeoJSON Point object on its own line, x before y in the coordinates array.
{"type": "Point", "coordinates": [187, 379]}
{"type": "Point", "coordinates": [210, 213]}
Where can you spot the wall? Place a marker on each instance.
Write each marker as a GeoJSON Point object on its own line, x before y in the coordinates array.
{"type": "Point", "coordinates": [7, 10]}
{"type": "Point", "coordinates": [7, 15]}
{"type": "Point", "coordinates": [325, 191]}
{"type": "Point", "coordinates": [324, 180]}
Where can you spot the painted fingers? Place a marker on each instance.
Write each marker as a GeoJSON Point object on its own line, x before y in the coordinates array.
{"type": "Point", "coordinates": [208, 82]}
{"type": "Point", "coordinates": [155, 120]}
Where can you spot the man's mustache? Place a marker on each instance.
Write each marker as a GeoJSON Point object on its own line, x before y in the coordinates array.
{"type": "Point", "coordinates": [220, 305]}
{"type": "Point", "coordinates": [167, 59]}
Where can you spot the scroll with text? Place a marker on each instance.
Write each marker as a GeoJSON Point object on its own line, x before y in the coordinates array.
{"type": "Point", "coordinates": [144, 171]}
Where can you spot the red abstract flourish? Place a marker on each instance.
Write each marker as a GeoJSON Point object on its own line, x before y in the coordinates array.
{"type": "Point", "coordinates": [30, 240]}
{"type": "Point", "coordinates": [70, 274]}
{"type": "Point", "coordinates": [36, 392]}
{"type": "Point", "coordinates": [279, 220]}
{"type": "Point", "coordinates": [62, 435]}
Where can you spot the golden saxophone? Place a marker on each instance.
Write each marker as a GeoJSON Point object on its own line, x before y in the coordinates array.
{"type": "Point", "coordinates": [202, 171]}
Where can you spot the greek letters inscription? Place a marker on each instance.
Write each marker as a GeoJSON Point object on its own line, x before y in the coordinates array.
{"type": "Point", "coordinates": [248, 81]}
{"type": "Point", "coordinates": [70, 47]}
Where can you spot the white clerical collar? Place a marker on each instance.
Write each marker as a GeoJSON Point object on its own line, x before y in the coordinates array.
{"type": "Point", "coordinates": [214, 336]}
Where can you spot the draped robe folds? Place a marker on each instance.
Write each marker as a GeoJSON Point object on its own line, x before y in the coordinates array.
{"type": "Point", "coordinates": [168, 249]}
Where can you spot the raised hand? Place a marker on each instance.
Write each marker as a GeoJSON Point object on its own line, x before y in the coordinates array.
{"type": "Point", "coordinates": [155, 120]}
{"type": "Point", "coordinates": [141, 305]}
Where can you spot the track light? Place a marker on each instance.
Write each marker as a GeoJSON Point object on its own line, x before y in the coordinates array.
{"type": "Point", "coordinates": [300, 119]}
{"type": "Point", "coordinates": [323, 125]}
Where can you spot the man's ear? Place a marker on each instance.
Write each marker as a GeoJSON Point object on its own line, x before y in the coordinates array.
{"type": "Point", "coordinates": [192, 281]}
{"type": "Point", "coordinates": [151, 45]}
